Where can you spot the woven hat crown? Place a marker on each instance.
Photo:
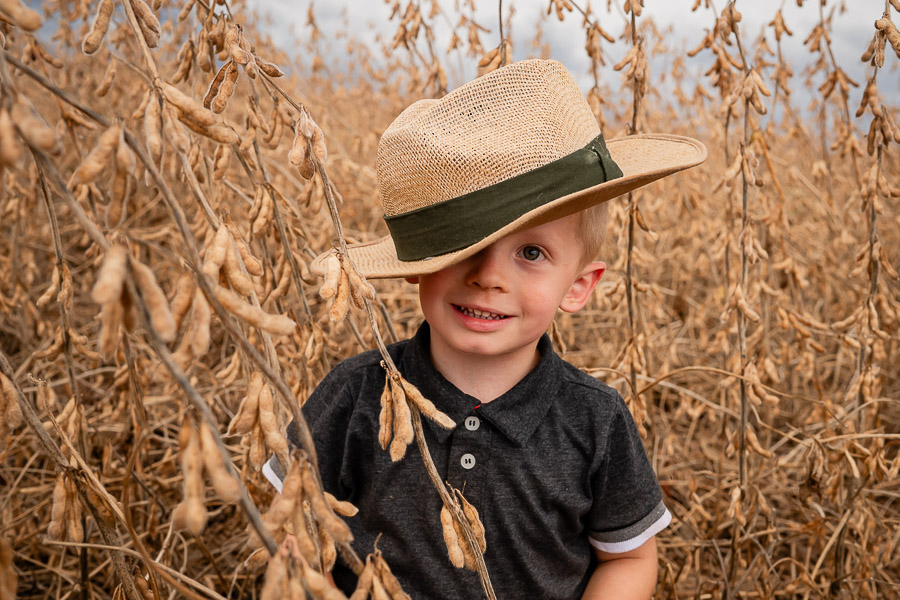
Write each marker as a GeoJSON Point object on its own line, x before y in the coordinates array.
{"type": "Point", "coordinates": [508, 122]}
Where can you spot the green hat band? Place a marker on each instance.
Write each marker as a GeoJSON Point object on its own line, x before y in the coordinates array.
{"type": "Point", "coordinates": [459, 222]}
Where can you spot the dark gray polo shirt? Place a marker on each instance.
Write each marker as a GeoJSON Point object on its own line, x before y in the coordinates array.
{"type": "Point", "coordinates": [553, 466]}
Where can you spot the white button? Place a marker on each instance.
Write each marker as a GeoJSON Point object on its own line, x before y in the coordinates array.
{"type": "Point", "coordinates": [472, 423]}
{"type": "Point", "coordinates": [467, 461]}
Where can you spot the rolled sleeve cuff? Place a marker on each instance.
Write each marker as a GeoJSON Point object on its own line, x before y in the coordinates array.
{"type": "Point", "coordinates": [634, 536]}
{"type": "Point", "coordinates": [274, 473]}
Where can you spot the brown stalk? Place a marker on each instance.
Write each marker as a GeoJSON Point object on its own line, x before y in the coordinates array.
{"type": "Point", "coordinates": [197, 401]}
{"type": "Point", "coordinates": [162, 567]}
{"type": "Point", "coordinates": [631, 300]}
{"type": "Point", "coordinates": [67, 353]}
{"type": "Point", "coordinates": [52, 450]}
{"type": "Point", "coordinates": [866, 350]}
{"type": "Point", "coordinates": [279, 222]}
{"type": "Point", "coordinates": [845, 108]}
{"type": "Point", "coordinates": [240, 339]}
{"type": "Point", "coordinates": [270, 372]}
{"type": "Point", "coordinates": [731, 573]}
{"type": "Point", "coordinates": [745, 224]}
{"type": "Point", "coordinates": [247, 504]}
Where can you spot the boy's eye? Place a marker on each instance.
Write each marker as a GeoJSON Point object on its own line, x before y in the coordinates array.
{"type": "Point", "coordinates": [531, 253]}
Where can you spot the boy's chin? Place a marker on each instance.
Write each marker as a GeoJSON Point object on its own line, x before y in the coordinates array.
{"type": "Point", "coordinates": [489, 346]}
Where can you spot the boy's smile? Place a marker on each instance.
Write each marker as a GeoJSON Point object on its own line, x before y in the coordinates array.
{"type": "Point", "coordinates": [491, 309]}
{"type": "Point", "coordinates": [479, 314]}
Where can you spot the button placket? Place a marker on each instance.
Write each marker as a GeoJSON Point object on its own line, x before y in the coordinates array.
{"type": "Point", "coordinates": [469, 456]}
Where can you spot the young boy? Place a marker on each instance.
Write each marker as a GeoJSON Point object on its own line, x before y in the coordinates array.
{"type": "Point", "coordinates": [494, 197]}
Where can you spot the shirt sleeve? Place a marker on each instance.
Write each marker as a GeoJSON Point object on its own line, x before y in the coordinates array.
{"type": "Point", "coordinates": [628, 508]}
{"type": "Point", "coordinates": [328, 413]}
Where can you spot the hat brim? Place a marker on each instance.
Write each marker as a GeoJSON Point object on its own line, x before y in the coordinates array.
{"type": "Point", "coordinates": [643, 158]}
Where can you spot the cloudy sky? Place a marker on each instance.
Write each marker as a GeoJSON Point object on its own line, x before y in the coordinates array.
{"type": "Point", "coordinates": [367, 21]}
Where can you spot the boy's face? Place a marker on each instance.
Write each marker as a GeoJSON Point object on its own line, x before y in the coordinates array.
{"type": "Point", "coordinates": [500, 301]}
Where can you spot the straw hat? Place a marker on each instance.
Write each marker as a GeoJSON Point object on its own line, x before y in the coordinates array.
{"type": "Point", "coordinates": [512, 149]}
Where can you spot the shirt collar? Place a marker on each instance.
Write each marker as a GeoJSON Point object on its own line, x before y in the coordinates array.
{"type": "Point", "coordinates": [516, 414]}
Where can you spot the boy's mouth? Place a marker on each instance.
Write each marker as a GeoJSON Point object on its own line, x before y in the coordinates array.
{"type": "Point", "coordinates": [479, 314]}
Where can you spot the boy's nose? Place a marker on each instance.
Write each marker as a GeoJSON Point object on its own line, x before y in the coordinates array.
{"type": "Point", "coordinates": [485, 270]}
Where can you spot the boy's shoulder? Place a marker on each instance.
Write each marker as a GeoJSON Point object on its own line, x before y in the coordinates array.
{"type": "Point", "coordinates": [586, 385]}
{"type": "Point", "coordinates": [353, 382]}
{"type": "Point", "coordinates": [366, 363]}
{"type": "Point", "coordinates": [586, 403]}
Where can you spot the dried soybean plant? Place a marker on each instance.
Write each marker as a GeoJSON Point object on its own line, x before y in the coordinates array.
{"type": "Point", "coordinates": [780, 281]}
{"type": "Point", "coordinates": [631, 357]}
{"type": "Point", "coordinates": [411, 23]}
{"type": "Point", "coordinates": [206, 207]}
{"type": "Point", "coordinates": [128, 290]}
{"type": "Point", "coordinates": [874, 190]}
{"type": "Point", "coordinates": [748, 89]}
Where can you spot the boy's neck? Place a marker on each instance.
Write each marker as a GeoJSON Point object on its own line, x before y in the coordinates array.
{"type": "Point", "coordinates": [483, 377]}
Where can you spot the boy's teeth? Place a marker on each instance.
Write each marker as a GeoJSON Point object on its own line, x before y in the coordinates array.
{"type": "Point", "coordinates": [473, 312]}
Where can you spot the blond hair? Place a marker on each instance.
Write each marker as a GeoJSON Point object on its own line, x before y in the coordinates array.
{"type": "Point", "coordinates": [592, 223]}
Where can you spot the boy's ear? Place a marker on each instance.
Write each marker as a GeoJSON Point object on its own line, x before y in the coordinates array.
{"type": "Point", "coordinates": [581, 289]}
{"type": "Point", "coordinates": [412, 280]}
